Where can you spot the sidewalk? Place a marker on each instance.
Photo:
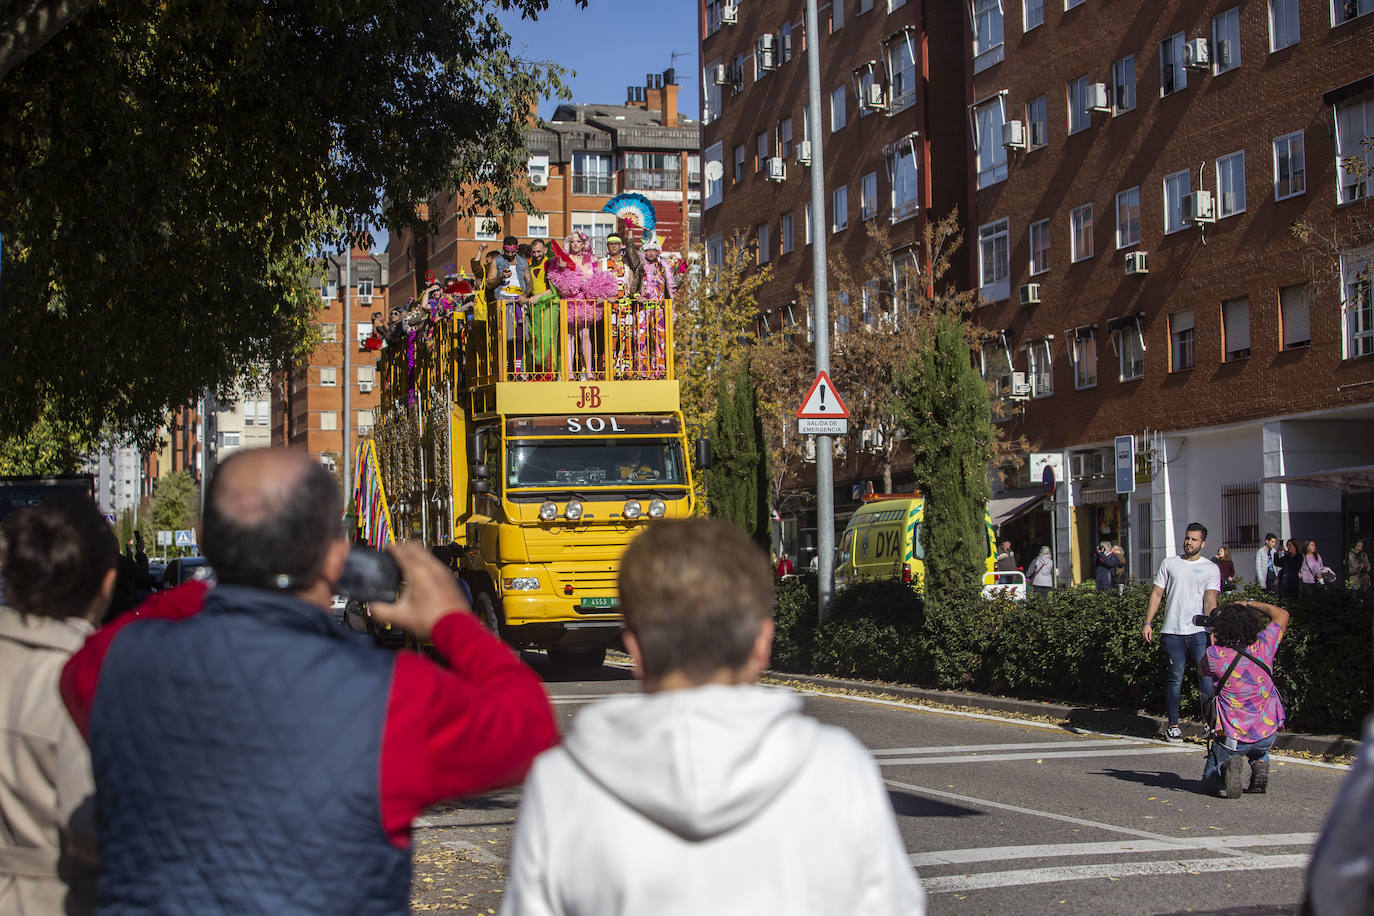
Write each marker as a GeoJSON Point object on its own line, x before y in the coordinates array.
{"type": "Point", "coordinates": [1120, 721]}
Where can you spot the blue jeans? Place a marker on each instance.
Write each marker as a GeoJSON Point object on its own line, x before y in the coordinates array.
{"type": "Point", "coordinates": [1181, 650]}
{"type": "Point", "coordinates": [1219, 753]}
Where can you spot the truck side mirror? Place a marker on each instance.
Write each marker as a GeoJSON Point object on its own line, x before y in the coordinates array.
{"type": "Point", "coordinates": [475, 443]}
{"type": "Point", "coordinates": [703, 454]}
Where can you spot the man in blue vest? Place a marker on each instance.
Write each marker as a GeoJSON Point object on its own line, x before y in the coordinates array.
{"type": "Point", "coordinates": [250, 756]}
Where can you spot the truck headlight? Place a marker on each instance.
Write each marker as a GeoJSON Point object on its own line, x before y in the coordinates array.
{"type": "Point", "coordinates": [657, 508]}
{"type": "Point", "coordinates": [632, 508]}
{"type": "Point", "coordinates": [574, 510]}
{"type": "Point", "coordinates": [521, 584]}
{"type": "Point", "coordinates": [548, 512]}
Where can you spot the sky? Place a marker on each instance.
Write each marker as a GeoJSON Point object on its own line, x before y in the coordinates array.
{"type": "Point", "coordinates": [612, 44]}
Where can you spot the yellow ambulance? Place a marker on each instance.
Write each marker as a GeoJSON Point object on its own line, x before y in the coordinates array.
{"type": "Point", "coordinates": [882, 541]}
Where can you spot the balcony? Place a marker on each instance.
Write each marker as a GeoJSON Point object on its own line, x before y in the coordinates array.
{"type": "Point", "coordinates": [652, 180]}
{"type": "Point", "coordinates": [593, 185]}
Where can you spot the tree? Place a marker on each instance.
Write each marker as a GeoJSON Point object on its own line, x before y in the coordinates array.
{"type": "Point", "coordinates": [948, 421]}
{"type": "Point", "coordinates": [168, 167]}
{"type": "Point", "coordinates": [175, 506]}
{"type": "Point", "coordinates": [738, 479]}
{"type": "Point", "coordinates": [52, 446]}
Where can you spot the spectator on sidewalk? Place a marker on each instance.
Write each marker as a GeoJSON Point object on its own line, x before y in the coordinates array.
{"type": "Point", "coordinates": [58, 562]}
{"type": "Point", "coordinates": [1104, 567]}
{"type": "Point", "coordinates": [687, 783]}
{"type": "Point", "coordinates": [1227, 568]}
{"type": "Point", "coordinates": [254, 757]}
{"type": "Point", "coordinates": [1006, 558]}
{"type": "Point", "coordinates": [1357, 565]}
{"type": "Point", "coordinates": [1040, 575]}
{"type": "Point", "coordinates": [1290, 565]}
{"type": "Point", "coordinates": [1192, 583]}
{"type": "Point", "coordinates": [1266, 570]}
{"type": "Point", "coordinates": [1245, 638]}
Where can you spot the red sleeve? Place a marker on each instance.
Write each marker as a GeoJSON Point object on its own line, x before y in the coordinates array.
{"type": "Point", "coordinates": [460, 730]}
{"type": "Point", "coordinates": [81, 674]}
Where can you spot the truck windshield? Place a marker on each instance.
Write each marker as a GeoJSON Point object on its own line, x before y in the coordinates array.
{"type": "Point", "coordinates": [595, 463]}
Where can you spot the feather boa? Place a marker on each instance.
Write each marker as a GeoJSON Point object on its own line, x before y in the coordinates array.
{"type": "Point", "coordinates": [574, 284]}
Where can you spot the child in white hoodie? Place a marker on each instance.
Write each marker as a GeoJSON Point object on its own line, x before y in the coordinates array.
{"type": "Point", "coordinates": [708, 793]}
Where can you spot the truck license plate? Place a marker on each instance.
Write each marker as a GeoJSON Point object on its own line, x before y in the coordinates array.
{"type": "Point", "coordinates": [599, 602]}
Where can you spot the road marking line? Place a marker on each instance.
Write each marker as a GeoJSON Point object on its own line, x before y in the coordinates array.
{"type": "Point", "coordinates": [1022, 746]}
{"type": "Point", "coordinates": [581, 697]}
{"type": "Point", "coordinates": [1119, 847]}
{"type": "Point", "coordinates": [1020, 877]}
{"type": "Point", "coordinates": [1129, 751]}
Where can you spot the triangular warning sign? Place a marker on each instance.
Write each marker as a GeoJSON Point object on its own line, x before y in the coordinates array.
{"type": "Point", "coordinates": [823, 402]}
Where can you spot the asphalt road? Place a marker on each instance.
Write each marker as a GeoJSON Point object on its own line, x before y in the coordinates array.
{"type": "Point", "coordinates": [999, 816]}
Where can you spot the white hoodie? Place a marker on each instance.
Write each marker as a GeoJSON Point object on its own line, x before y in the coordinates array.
{"type": "Point", "coordinates": [708, 800]}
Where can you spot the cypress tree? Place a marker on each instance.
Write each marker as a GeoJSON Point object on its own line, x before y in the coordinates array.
{"type": "Point", "coordinates": [948, 421]}
{"type": "Point", "coordinates": [738, 479]}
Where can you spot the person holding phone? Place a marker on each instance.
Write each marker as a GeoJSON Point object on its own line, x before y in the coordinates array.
{"type": "Point", "coordinates": [252, 756]}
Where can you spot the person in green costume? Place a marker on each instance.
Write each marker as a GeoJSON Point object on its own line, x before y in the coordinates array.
{"type": "Point", "coordinates": [542, 321]}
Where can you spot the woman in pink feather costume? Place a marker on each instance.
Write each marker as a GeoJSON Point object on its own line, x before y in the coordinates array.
{"type": "Point", "coordinates": [581, 284]}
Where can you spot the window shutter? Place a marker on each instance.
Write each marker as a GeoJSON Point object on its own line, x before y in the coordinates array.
{"type": "Point", "coordinates": [1235, 315]}
{"type": "Point", "coordinates": [1180, 321]}
{"type": "Point", "coordinates": [1293, 302]}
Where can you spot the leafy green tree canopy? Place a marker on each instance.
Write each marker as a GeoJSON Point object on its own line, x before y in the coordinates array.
{"type": "Point", "coordinates": [738, 478]}
{"type": "Point", "coordinates": [167, 167]}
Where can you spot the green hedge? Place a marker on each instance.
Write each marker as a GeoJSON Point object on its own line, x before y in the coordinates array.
{"type": "Point", "coordinates": [1075, 645]}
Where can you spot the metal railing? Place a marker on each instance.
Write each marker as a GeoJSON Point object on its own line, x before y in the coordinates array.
{"type": "Point", "coordinates": [593, 185]}
{"type": "Point", "coordinates": [651, 180]}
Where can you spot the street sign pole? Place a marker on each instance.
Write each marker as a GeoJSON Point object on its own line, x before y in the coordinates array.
{"type": "Point", "coordinates": [825, 473]}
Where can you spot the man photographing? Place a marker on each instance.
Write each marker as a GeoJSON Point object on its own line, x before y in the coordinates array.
{"type": "Point", "coordinates": [1192, 582]}
{"type": "Point", "coordinates": [254, 757]}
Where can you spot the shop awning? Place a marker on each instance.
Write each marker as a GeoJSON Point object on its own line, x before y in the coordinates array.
{"type": "Point", "coordinates": [1359, 477]}
{"type": "Point", "coordinates": [1013, 503]}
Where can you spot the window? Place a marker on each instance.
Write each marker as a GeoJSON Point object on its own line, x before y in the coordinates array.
{"type": "Point", "coordinates": [868, 196]}
{"type": "Point", "coordinates": [1231, 184]}
{"type": "Point", "coordinates": [760, 150]}
{"type": "Point", "coordinates": [715, 250]}
{"type": "Point", "coordinates": [1128, 217]}
{"type": "Point", "coordinates": [785, 233]}
{"type": "Point", "coordinates": [1040, 366]}
{"type": "Point", "coordinates": [1081, 232]}
{"type": "Point", "coordinates": [367, 374]}
{"type": "Point", "coordinates": [1079, 116]}
{"type": "Point", "coordinates": [988, 151]}
{"type": "Point", "coordinates": [365, 419]}
{"type": "Point", "coordinates": [1037, 122]}
{"type": "Point", "coordinates": [227, 439]}
{"type": "Point", "coordinates": [1083, 349]}
{"type": "Point", "coordinates": [1176, 187]}
{"type": "Point", "coordinates": [710, 106]}
{"type": "Point", "coordinates": [1226, 40]}
{"type": "Point", "coordinates": [895, 4]}
{"type": "Point", "coordinates": [987, 33]}
{"type": "Point", "coordinates": [865, 6]}
{"type": "Point", "coordinates": [592, 174]}
{"type": "Point", "coordinates": [806, 222]}
{"type": "Point", "coordinates": [836, 15]}
{"type": "Point", "coordinates": [1357, 306]}
{"type": "Point", "coordinates": [837, 101]}
{"type": "Point", "coordinates": [329, 419]}
{"type": "Point", "coordinates": [1070, 4]}
{"type": "Point", "coordinates": [994, 269]}
{"type": "Point", "coordinates": [1123, 84]}
{"type": "Point", "coordinates": [365, 290]}
{"type": "Point", "coordinates": [1283, 24]}
{"type": "Point", "coordinates": [597, 226]}
{"type": "Point", "coordinates": [901, 67]}
{"type": "Point", "coordinates": [739, 163]}
{"type": "Point", "coordinates": [1181, 355]}
{"type": "Point", "coordinates": [1293, 315]}
{"type": "Point", "coordinates": [329, 332]}
{"type": "Point", "coordinates": [839, 203]}
{"type": "Point", "coordinates": [865, 82]}
{"type": "Point", "coordinates": [785, 138]}
{"type": "Point", "coordinates": [1039, 247]}
{"type": "Point", "coordinates": [651, 171]}
{"type": "Point", "coordinates": [1032, 14]}
{"type": "Point", "coordinates": [1235, 328]}
{"type": "Point", "coordinates": [905, 192]}
{"type": "Point", "coordinates": [785, 42]}
{"type": "Point", "coordinates": [715, 186]}
{"type": "Point", "coordinates": [539, 170]}
{"type": "Point", "coordinates": [1354, 122]}
{"type": "Point", "coordinates": [537, 227]}
{"type": "Point", "coordinates": [1172, 76]}
{"type": "Point", "coordinates": [765, 243]}
{"type": "Point", "coordinates": [1131, 353]}
{"type": "Point", "coordinates": [484, 229]}
{"type": "Point", "coordinates": [1290, 171]}
{"type": "Point", "coordinates": [1345, 10]}
{"type": "Point", "coordinates": [363, 330]}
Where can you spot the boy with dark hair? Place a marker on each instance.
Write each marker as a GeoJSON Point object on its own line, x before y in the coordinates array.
{"type": "Point", "coordinates": [687, 783]}
{"type": "Point", "coordinates": [1245, 638]}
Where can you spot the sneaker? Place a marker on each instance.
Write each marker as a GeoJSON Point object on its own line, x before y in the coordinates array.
{"type": "Point", "coordinates": [1231, 772]}
{"type": "Point", "coordinates": [1259, 777]}
{"type": "Point", "coordinates": [1173, 733]}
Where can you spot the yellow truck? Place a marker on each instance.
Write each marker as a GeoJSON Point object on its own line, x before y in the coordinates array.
{"type": "Point", "coordinates": [882, 541]}
{"type": "Point", "coordinates": [528, 444]}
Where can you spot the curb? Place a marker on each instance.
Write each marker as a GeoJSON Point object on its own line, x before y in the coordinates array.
{"type": "Point", "coordinates": [1123, 721]}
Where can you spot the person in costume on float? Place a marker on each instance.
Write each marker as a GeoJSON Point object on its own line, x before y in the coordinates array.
{"type": "Point", "coordinates": [542, 320]}
{"type": "Point", "coordinates": [657, 286]}
{"type": "Point", "coordinates": [583, 286]}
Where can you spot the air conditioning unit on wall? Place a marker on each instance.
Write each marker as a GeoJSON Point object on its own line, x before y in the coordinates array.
{"type": "Point", "coordinates": [1195, 56]}
{"type": "Point", "coordinates": [1030, 294]}
{"type": "Point", "coordinates": [1199, 207]}
{"type": "Point", "coordinates": [1014, 135]}
{"type": "Point", "coordinates": [803, 153]}
{"type": "Point", "coordinates": [1098, 97]}
{"type": "Point", "coordinates": [729, 14]}
{"type": "Point", "coordinates": [777, 168]}
{"type": "Point", "coordinates": [1137, 263]}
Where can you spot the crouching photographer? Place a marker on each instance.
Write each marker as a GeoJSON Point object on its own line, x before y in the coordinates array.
{"type": "Point", "coordinates": [1249, 711]}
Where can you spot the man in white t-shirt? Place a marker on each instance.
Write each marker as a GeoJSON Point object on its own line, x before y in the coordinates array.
{"type": "Point", "coordinates": [1192, 583]}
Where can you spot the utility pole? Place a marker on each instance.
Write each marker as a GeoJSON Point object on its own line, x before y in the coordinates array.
{"type": "Point", "coordinates": [348, 345]}
{"type": "Point", "coordinates": [825, 472]}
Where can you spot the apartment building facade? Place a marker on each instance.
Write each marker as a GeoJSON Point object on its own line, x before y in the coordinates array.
{"type": "Point", "coordinates": [308, 409]}
{"type": "Point", "coordinates": [1138, 176]}
{"type": "Point", "coordinates": [578, 160]}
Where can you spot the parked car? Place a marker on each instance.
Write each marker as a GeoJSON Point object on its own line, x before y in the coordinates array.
{"type": "Point", "coordinates": [185, 569]}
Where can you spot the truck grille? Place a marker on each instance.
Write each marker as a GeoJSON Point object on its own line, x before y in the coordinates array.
{"type": "Point", "coordinates": [595, 581]}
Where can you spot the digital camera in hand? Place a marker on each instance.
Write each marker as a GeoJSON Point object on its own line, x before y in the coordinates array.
{"type": "Point", "coordinates": [370, 576]}
{"type": "Point", "coordinates": [1202, 620]}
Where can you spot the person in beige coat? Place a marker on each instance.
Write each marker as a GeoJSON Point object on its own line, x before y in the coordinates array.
{"type": "Point", "coordinates": [58, 565]}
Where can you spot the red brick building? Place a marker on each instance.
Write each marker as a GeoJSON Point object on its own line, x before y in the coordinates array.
{"type": "Point", "coordinates": [1137, 177]}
